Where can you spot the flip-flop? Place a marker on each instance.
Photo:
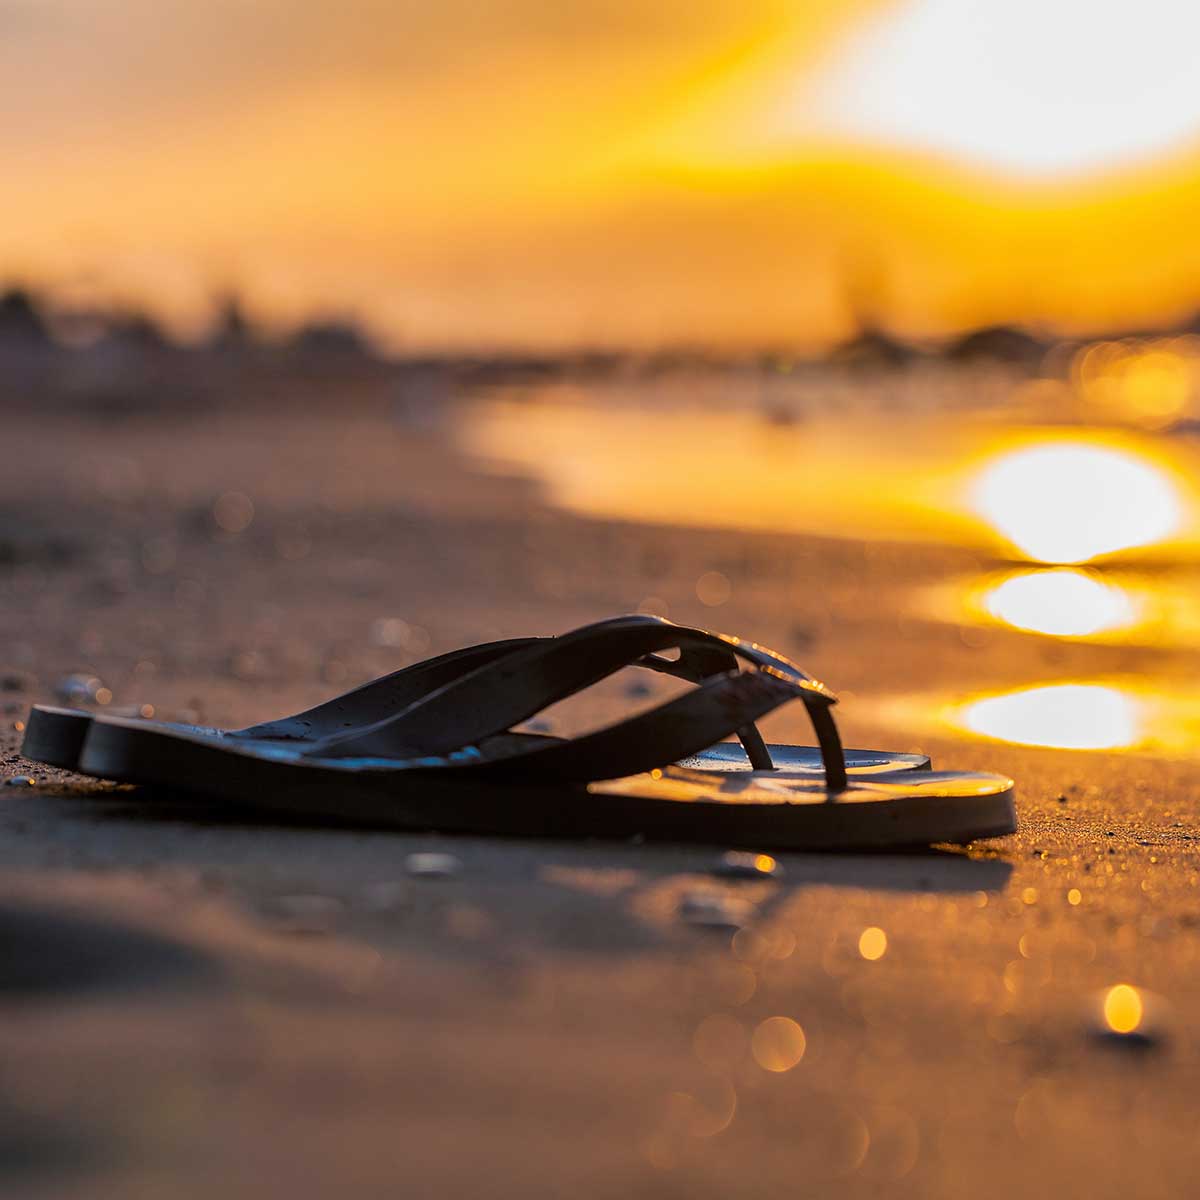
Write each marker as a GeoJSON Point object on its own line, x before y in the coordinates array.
{"type": "Point", "coordinates": [621, 781]}
{"type": "Point", "coordinates": [55, 736]}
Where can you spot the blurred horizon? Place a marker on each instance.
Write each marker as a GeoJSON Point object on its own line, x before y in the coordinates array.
{"type": "Point", "coordinates": [610, 174]}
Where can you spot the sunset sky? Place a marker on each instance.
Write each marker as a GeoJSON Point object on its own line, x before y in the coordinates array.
{"type": "Point", "coordinates": [533, 172]}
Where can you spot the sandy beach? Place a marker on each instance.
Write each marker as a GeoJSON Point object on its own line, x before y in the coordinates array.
{"type": "Point", "coordinates": [199, 1003]}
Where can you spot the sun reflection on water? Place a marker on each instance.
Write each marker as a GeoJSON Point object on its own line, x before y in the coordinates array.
{"type": "Point", "coordinates": [1061, 603]}
{"type": "Point", "coordinates": [1068, 502]}
{"type": "Point", "coordinates": [1069, 716]}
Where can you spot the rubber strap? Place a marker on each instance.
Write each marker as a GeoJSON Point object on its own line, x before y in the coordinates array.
{"type": "Point", "coordinates": [503, 693]}
{"type": "Point", "coordinates": [380, 698]}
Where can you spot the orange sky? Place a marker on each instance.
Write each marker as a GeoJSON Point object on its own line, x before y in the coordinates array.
{"type": "Point", "coordinates": [606, 171]}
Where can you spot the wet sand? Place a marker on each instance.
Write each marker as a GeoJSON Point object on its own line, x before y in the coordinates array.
{"type": "Point", "coordinates": [196, 1005]}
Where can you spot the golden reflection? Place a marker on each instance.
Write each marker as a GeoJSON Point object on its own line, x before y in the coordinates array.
{"type": "Point", "coordinates": [1067, 502]}
{"type": "Point", "coordinates": [601, 455]}
{"type": "Point", "coordinates": [778, 1044]}
{"type": "Point", "coordinates": [1063, 603]}
{"type": "Point", "coordinates": [948, 480]}
{"type": "Point", "coordinates": [1070, 716]}
{"type": "Point", "coordinates": [1122, 605]}
{"type": "Point", "coordinates": [1123, 1009]}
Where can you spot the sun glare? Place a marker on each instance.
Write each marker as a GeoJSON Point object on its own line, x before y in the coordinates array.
{"type": "Point", "coordinates": [1069, 716]}
{"type": "Point", "coordinates": [1062, 603]}
{"type": "Point", "coordinates": [1020, 85]}
{"type": "Point", "coordinates": [1068, 502]}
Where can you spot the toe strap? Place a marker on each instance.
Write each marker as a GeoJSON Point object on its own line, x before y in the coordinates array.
{"type": "Point", "coordinates": [655, 739]}
{"type": "Point", "coordinates": [503, 693]}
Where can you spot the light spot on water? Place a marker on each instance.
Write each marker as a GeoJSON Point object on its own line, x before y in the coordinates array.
{"type": "Point", "coordinates": [1070, 716]}
{"type": "Point", "coordinates": [1067, 502]}
{"type": "Point", "coordinates": [1063, 603]}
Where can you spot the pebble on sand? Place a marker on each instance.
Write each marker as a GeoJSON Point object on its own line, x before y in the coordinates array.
{"type": "Point", "coordinates": [430, 865]}
{"type": "Point", "coordinates": [744, 864]}
{"type": "Point", "coordinates": [82, 689]}
{"type": "Point", "coordinates": [714, 910]}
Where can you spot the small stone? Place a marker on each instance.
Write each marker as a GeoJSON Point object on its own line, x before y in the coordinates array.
{"type": "Point", "coordinates": [82, 689]}
{"type": "Point", "coordinates": [714, 911]}
{"type": "Point", "coordinates": [742, 864]}
{"type": "Point", "coordinates": [248, 665]}
{"type": "Point", "coordinates": [389, 632]}
{"type": "Point", "coordinates": [304, 913]}
{"type": "Point", "coordinates": [385, 896]}
{"type": "Point", "coordinates": [431, 865]}
{"type": "Point", "coordinates": [15, 681]}
{"type": "Point", "coordinates": [393, 633]}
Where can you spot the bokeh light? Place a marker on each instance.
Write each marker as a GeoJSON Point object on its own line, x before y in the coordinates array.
{"type": "Point", "coordinates": [778, 1044]}
{"type": "Point", "coordinates": [1148, 382]}
{"type": "Point", "coordinates": [872, 943]}
{"type": "Point", "coordinates": [1123, 1009]}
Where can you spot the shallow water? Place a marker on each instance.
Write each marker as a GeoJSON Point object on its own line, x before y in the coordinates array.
{"type": "Point", "coordinates": [1086, 532]}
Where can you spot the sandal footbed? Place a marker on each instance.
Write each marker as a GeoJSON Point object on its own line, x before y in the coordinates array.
{"type": "Point", "coordinates": [771, 809]}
